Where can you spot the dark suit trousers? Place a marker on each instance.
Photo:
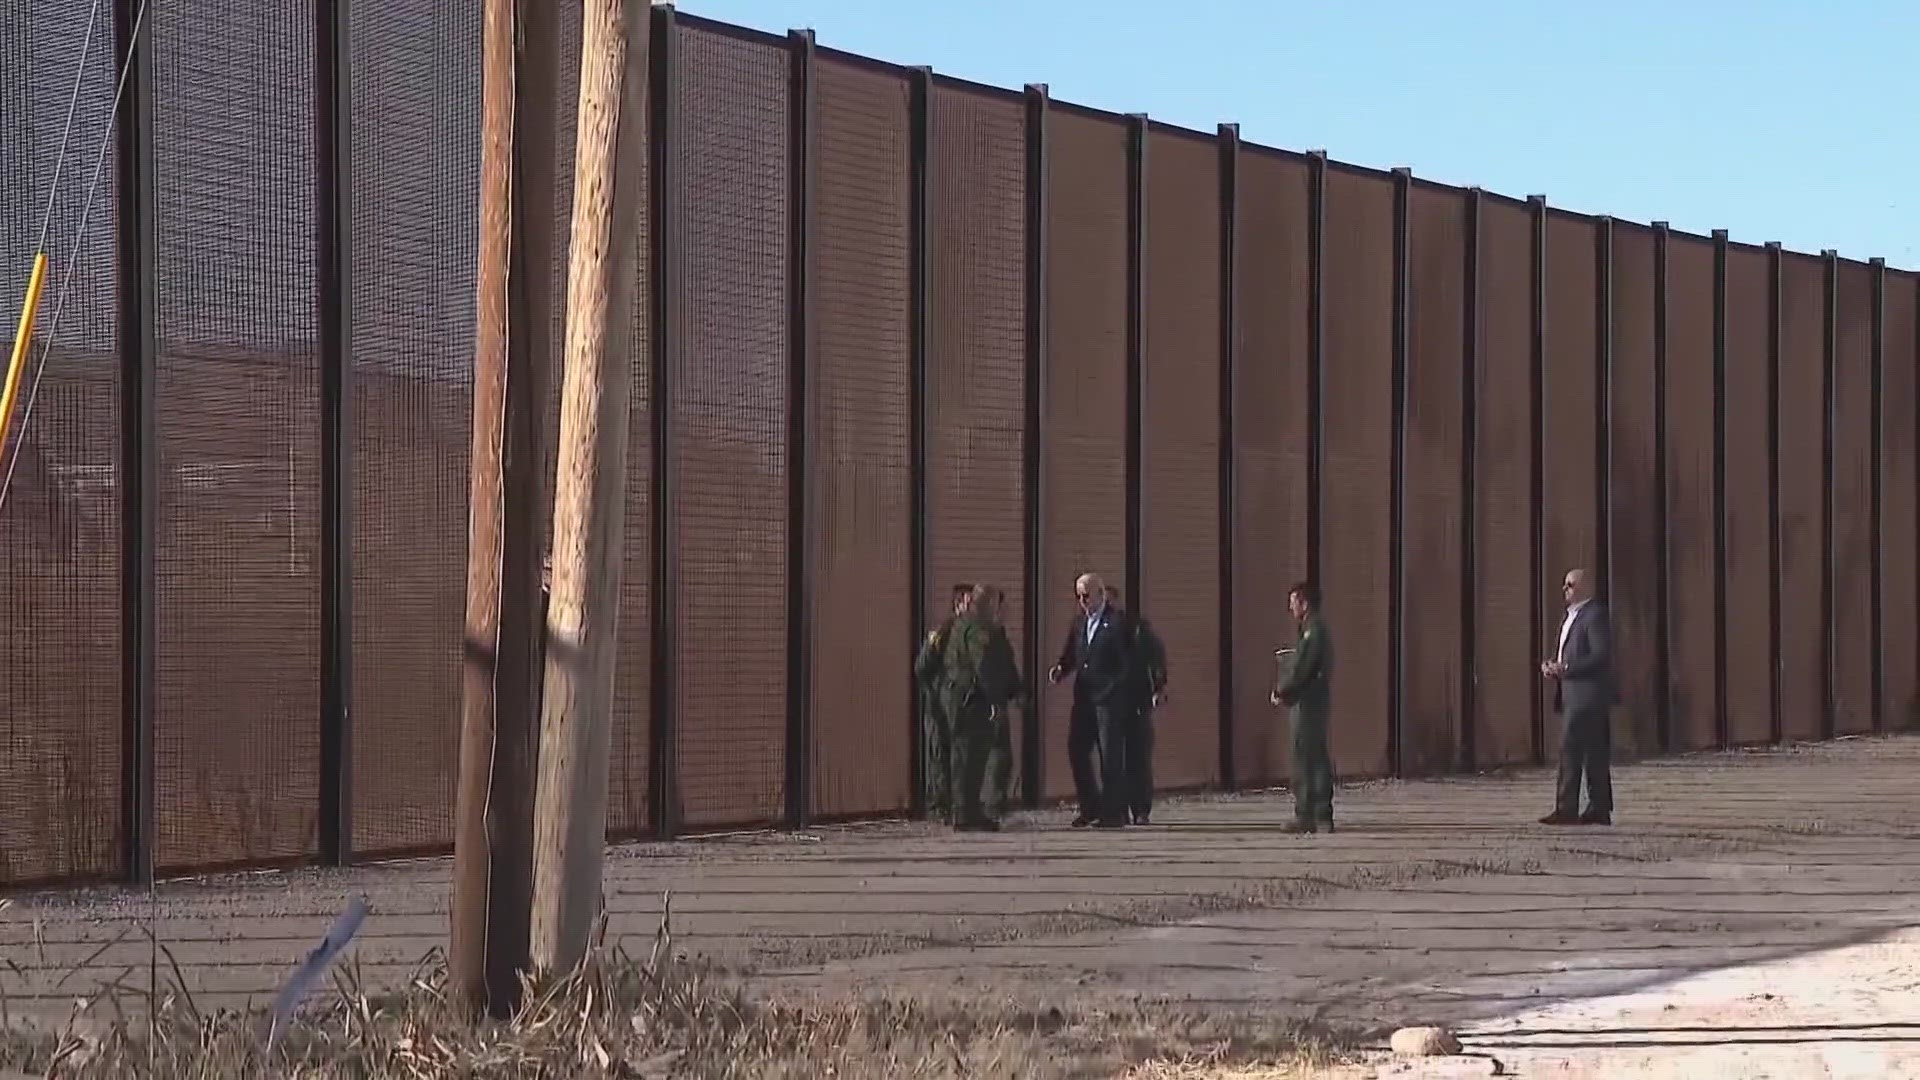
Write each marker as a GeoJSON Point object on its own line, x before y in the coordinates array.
{"type": "Point", "coordinates": [1586, 750]}
{"type": "Point", "coordinates": [1139, 760]}
{"type": "Point", "coordinates": [1096, 747]}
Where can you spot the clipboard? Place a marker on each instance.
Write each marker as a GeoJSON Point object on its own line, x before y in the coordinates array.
{"type": "Point", "coordinates": [1282, 670]}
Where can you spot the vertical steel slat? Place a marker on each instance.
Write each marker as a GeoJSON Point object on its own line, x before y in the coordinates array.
{"type": "Point", "coordinates": [139, 474]}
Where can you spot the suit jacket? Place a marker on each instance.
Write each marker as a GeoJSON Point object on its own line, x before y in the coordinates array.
{"type": "Point", "coordinates": [1102, 668]}
{"type": "Point", "coordinates": [1588, 682]}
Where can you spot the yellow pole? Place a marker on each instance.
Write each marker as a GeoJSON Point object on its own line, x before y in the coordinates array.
{"type": "Point", "coordinates": [21, 340]}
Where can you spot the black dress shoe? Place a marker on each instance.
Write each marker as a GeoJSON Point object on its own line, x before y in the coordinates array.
{"type": "Point", "coordinates": [1591, 818]}
{"type": "Point", "coordinates": [1143, 818]}
{"type": "Point", "coordinates": [1110, 823]}
{"type": "Point", "coordinates": [1082, 821]}
{"type": "Point", "coordinates": [1558, 818]}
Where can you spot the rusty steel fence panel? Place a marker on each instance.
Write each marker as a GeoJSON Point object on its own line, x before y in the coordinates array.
{"type": "Point", "coordinates": [976, 354]}
{"type": "Point", "coordinates": [1692, 651]}
{"type": "Point", "coordinates": [630, 768]}
{"type": "Point", "coordinates": [1504, 649]}
{"type": "Point", "coordinates": [858, 472]}
{"type": "Point", "coordinates": [238, 440]}
{"type": "Point", "coordinates": [1356, 402]}
{"type": "Point", "coordinates": [1850, 494]}
{"type": "Point", "coordinates": [1180, 475]}
{"type": "Point", "coordinates": [1801, 525]}
{"type": "Point", "coordinates": [1431, 725]}
{"type": "Point", "coordinates": [1747, 569]}
{"type": "Point", "coordinates": [728, 414]}
{"type": "Point", "coordinates": [1270, 445]}
{"type": "Point", "coordinates": [1085, 392]}
{"type": "Point", "coordinates": [1632, 481]}
{"type": "Point", "coordinates": [1570, 435]}
{"type": "Point", "coordinates": [60, 685]}
{"type": "Point", "coordinates": [416, 147]}
{"type": "Point", "coordinates": [1899, 501]}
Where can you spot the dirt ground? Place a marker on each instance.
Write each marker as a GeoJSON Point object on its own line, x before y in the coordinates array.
{"type": "Point", "coordinates": [1750, 914]}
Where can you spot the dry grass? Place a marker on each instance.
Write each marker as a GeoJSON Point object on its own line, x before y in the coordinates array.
{"type": "Point", "coordinates": [662, 1017]}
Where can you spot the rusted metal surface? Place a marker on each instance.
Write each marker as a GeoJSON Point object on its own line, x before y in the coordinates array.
{"type": "Point", "coordinates": [237, 398]}
{"type": "Point", "coordinates": [1802, 516]}
{"type": "Point", "coordinates": [1180, 483]}
{"type": "Point", "coordinates": [1850, 489]}
{"type": "Point", "coordinates": [1899, 494]}
{"type": "Point", "coordinates": [1085, 396]}
{"type": "Point", "coordinates": [1749, 645]}
{"type": "Point", "coordinates": [1357, 425]}
{"type": "Point", "coordinates": [1570, 438]}
{"type": "Point", "coordinates": [60, 540]}
{"type": "Point", "coordinates": [1505, 653]}
{"type": "Point", "coordinates": [1431, 722]}
{"type": "Point", "coordinates": [728, 402]}
{"type": "Point", "coordinates": [1270, 435]}
{"type": "Point", "coordinates": [1635, 547]}
{"type": "Point", "coordinates": [1692, 655]}
{"type": "Point", "coordinates": [858, 478]}
{"type": "Point", "coordinates": [976, 353]}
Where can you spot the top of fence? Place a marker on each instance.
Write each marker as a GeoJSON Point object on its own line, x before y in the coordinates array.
{"type": "Point", "coordinates": [1095, 112]}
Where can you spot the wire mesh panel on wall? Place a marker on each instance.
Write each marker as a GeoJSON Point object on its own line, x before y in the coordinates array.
{"type": "Point", "coordinates": [1802, 499]}
{"type": "Point", "coordinates": [415, 127]}
{"type": "Point", "coordinates": [1504, 649]}
{"type": "Point", "coordinates": [60, 704]}
{"type": "Point", "coordinates": [728, 406]}
{"type": "Point", "coordinates": [1356, 431]}
{"type": "Point", "coordinates": [1431, 729]}
{"type": "Point", "coordinates": [1747, 569]}
{"type": "Point", "coordinates": [1270, 443]}
{"type": "Point", "coordinates": [1899, 494]}
{"type": "Point", "coordinates": [1180, 460]}
{"type": "Point", "coordinates": [1085, 394]}
{"type": "Point", "coordinates": [629, 786]}
{"type": "Point", "coordinates": [859, 395]}
{"type": "Point", "coordinates": [1633, 578]}
{"type": "Point", "coordinates": [1692, 652]}
{"type": "Point", "coordinates": [976, 353]}
{"type": "Point", "coordinates": [237, 403]}
{"type": "Point", "coordinates": [1850, 493]}
{"type": "Point", "coordinates": [1570, 435]}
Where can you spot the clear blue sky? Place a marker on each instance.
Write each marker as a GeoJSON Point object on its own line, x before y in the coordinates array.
{"type": "Point", "coordinates": [1787, 120]}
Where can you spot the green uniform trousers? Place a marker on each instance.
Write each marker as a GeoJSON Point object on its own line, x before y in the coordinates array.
{"type": "Point", "coordinates": [1000, 763]}
{"type": "Point", "coordinates": [1312, 765]}
{"type": "Point", "coordinates": [936, 746]}
{"type": "Point", "coordinates": [973, 744]}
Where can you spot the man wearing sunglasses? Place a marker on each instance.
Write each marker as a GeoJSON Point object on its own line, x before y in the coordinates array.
{"type": "Point", "coordinates": [1583, 695]}
{"type": "Point", "coordinates": [1098, 653]}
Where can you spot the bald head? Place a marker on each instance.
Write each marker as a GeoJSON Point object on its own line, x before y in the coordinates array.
{"type": "Point", "coordinates": [1577, 586]}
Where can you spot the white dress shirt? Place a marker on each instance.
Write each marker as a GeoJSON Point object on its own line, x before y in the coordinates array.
{"type": "Point", "coordinates": [1566, 625]}
{"type": "Point", "coordinates": [1093, 622]}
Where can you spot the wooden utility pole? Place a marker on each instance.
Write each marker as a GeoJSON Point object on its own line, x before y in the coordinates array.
{"type": "Point", "coordinates": [609, 207]}
{"type": "Point", "coordinates": [493, 842]}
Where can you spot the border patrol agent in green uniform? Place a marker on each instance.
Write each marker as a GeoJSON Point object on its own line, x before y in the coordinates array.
{"type": "Point", "coordinates": [1308, 691]}
{"type": "Point", "coordinates": [980, 680]}
{"type": "Point", "coordinates": [1000, 760]}
{"type": "Point", "coordinates": [936, 736]}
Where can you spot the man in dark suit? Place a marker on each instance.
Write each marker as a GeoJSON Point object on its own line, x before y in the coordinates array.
{"type": "Point", "coordinates": [1146, 688]}
{"type": "Point", "coordinates": [1098, 654]}
{"type": "Point", "coordinates": [1583, 695]}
